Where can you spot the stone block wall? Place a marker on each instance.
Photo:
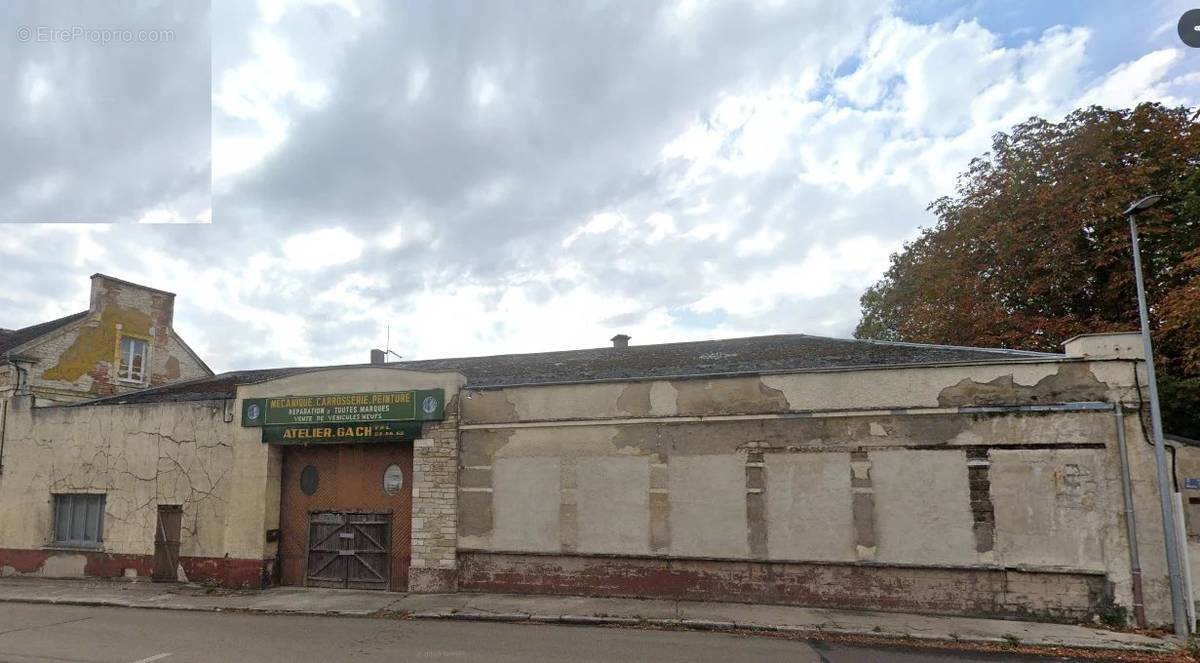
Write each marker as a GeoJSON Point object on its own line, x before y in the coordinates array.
{"type": "Point", "coordinates": [434, 565]}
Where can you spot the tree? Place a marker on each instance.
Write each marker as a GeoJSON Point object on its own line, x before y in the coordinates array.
{"type": "Point", "coordinates": [1032, 248]}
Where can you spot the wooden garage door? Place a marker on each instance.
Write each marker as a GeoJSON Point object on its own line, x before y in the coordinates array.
{"type": "Point", "coordinates": [345, 479]}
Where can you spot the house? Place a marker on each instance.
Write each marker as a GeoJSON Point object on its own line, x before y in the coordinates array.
{"type": "Point", "coordinates": [125, 340]}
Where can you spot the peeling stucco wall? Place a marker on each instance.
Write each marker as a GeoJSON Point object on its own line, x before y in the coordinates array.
{"type": "Point", "coordinates": [880, 388]}
{"type": "Point", "coordinates": [945, 469]}
{"type": "Point", "coordinates": [878, 467]}
{"type": "Point", "coordinates": [138, 456]}
{"type": "Point", "coordinates": [196, 454]}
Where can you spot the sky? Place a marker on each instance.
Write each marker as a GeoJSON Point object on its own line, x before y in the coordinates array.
{"type": "Point", "coordinates": [321, 177]}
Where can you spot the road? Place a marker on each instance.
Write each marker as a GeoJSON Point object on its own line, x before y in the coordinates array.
{"type": "Point", "coordinates": [75, 634]}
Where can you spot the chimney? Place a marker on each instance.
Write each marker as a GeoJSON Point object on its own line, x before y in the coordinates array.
{"type": "Point", "coordinates": [378, 356]}
{"type": "Point", "coordinates": [158, 304]}
{"type": "Point", "coordinates": [1107, 345]}
{"type": "Point", "coordinates": [621, 340]}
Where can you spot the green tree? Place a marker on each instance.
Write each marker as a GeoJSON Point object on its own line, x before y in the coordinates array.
{"type": "Point", "coordinates": [1032, 248]}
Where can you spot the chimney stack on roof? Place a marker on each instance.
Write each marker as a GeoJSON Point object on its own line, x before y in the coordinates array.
{"type": "Point", "coordinates": [378, 356]}
{"type": "Point", "coordinates": [621, 340]}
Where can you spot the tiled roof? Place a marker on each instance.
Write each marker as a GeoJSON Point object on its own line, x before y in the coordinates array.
{"type": "Point", "coordinates": [12, 338]}
{"type": "Point", "coordinates": [757, 354]}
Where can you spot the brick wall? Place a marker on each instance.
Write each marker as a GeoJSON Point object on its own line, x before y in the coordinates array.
{"type": "Point", "coordinates": [978, 592]}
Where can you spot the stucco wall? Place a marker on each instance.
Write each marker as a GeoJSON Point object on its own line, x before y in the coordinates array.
{"type": "Point", "coordinates": [195, 454]}
{"type": "Point", "coordinates": [138, 456]}
{"type": "Point", "coordinates": [880, 467]}
{"type": "Point", "coordinates": [924, 387]}
{"type": "Point", "coordinates": [959, 474]}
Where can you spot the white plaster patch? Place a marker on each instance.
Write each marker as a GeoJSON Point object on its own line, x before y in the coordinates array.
{"type": "Point", "coordinates": [708, 505]}
{"type": "Point", "coordinates": [64, 566]}
{"type": "Point", "coordinates": [1049, 507]}
{"type": "Point", "coordinates": [613, 498]}
{"type": "Point", "coordinates": [922, 507]}
{"type": "Point", "coordinates": [525, 494]}
{"type": "Point", "coordinates": [663, 399]}
{"type": "Point", "coordinates": [809, 513]}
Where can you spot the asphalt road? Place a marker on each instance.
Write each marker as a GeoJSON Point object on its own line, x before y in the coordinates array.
{"type": "Point", "coordinates": [45, 633]}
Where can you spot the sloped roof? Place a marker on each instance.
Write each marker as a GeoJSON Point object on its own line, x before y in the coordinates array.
{"type": "Point", "coordinates": [13, 338]}
{"type": "Point", "coordinates": [756, 354]}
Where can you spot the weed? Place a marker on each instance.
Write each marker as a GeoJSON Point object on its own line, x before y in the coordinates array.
{"type": "Point", "coordinates": [1114, 616]}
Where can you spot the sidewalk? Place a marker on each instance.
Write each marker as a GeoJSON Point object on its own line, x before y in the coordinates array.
{"type": "Point", "coordinates": [573, 610]}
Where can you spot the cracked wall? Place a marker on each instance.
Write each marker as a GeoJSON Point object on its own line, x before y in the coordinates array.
{"type": "Point", "coordinates": [138, 456]}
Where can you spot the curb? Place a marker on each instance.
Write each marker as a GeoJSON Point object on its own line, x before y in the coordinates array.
{"type": "Point", "coordinates": [592, 620]}
{"type": "Point", "coordinates": [817, 631]}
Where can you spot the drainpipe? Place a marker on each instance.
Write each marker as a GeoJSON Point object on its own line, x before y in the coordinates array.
{"type": "Point", "coordinates": [3, 430]}
{"type": "Point", "coordinates": [1135, 566]}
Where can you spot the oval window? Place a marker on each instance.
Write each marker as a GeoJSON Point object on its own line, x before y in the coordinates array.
{"type": "Point", "coordinates": [393, 479]}
{"type": "Point", "coordinates": [309, 480]}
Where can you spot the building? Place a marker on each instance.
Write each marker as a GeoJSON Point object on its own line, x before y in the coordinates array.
{"type": "Point", "coordinates": [785, 469]}
{"type": "Point", "coordinates": [124, 341]}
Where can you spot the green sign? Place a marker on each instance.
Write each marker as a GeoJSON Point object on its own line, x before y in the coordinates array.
{"type": "Point", "coordinates": [331, 433]}
{"type": "Point", "coordinates": [377, 407]}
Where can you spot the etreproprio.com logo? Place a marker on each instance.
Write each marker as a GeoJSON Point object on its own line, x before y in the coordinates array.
{"type": "Point", "coordinates": [79, 33]}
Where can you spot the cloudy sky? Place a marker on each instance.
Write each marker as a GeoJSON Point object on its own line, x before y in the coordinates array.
{"type": "Point", "coordinates": [490, 177]}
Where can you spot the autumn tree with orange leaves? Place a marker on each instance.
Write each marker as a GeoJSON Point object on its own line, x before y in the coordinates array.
{"type": "Point", "coordinates": [1032, 249]}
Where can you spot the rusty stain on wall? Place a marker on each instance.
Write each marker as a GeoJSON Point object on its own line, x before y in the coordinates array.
{"type": "Point", "coordinates": [97, 343]}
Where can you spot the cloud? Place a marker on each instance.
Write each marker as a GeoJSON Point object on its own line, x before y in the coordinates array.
{"type": "Point", "coordinates": [105, 111]}
{"type": "Point", "coordinates": [322, 248]}
{"type": "Point", "coordinates": [1134, 82]}
{"type": "Point", "coordinates": [479, 180]}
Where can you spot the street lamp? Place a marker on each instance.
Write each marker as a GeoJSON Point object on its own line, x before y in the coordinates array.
{"type": "Point", "coordinates": [1174, 567]}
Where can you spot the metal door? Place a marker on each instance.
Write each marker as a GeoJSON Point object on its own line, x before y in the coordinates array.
{"type": "Point", "coordinates": [348, 549]}
{"type": "Point", "coordinates": [166, 542]}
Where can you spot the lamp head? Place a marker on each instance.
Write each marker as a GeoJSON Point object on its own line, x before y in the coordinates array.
{"type": "Point", "coordinates": [1142, 205]}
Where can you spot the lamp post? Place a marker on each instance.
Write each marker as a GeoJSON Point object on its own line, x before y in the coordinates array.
{"type": "Point", "coordinates": [1167, 502]}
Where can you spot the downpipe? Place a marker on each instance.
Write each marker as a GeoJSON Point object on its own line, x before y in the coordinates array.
{"type": "Point", "coordinates": [1135, 565]}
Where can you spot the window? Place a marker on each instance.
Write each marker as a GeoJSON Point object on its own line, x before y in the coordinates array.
{"type": "Point", "coordinates": [78, 520]}
{"type": "Point", "coordinates": [134, 355]}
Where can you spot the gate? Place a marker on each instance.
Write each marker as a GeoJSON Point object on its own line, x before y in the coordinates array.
{"type": "Point", "coordinates": [359, 480]}
{"type": "Point", "coordinates": [348, 549]}
{"type": "Point", "coordinates": [166, 542]}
